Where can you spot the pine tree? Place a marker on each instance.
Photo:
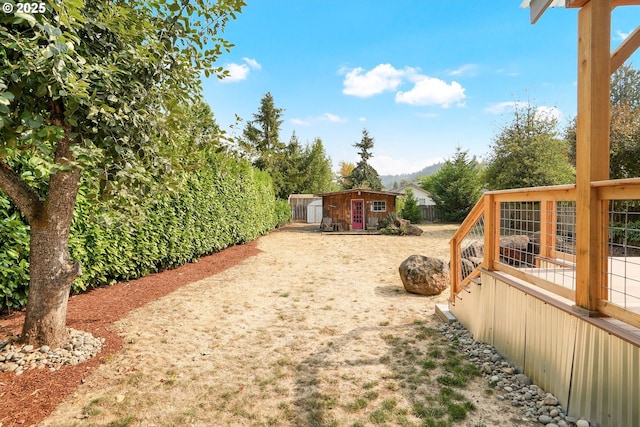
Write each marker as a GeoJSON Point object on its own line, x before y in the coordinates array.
{"type": "Point", "coordinates": [364, 175]}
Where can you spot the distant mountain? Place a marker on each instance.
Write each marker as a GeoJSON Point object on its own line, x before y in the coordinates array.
{"type": "Point", "coordinates": [389, 180]}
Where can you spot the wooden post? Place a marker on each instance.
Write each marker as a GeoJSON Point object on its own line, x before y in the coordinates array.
{"type": "Point", "coordinates": [491, 229]}
{"type": "Point", "coordinates": [592, 150]}
{"type": "Point", "coordinates": [548, 225]}
{"type": "Point", "coordinates": [454, 269]}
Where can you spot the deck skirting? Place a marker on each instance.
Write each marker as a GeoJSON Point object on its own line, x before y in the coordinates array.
{"type": "Point", "coordinates": [591, 365]}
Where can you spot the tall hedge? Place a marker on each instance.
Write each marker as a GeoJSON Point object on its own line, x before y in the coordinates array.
{"type": "Point", "coordinates": [222, 203]}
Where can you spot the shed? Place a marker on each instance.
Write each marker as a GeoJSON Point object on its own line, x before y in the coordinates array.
{"type": "Point", "coordinates": [299, 204]}
{"type": "Point", "coordinates": [358, 208]}
{"type": "Point", "coordinates": [314, 211]}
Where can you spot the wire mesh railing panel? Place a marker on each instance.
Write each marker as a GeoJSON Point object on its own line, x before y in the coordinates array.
{"type": "Point", "coordinates": [538, 238]}
{"type": "Point", "coordinates": [472, 249]}
{"type": "Point", "coordinates": [622, 287]}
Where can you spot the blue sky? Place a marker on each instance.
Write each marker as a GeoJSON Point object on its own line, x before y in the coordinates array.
{"type": "Point", "coordinates": [422, 76]}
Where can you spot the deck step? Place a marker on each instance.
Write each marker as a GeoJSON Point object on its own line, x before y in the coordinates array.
{"type": "Point", "coordinates": [467, 288]}
{"type": "Point", "coordinates": [443, 313]}
{"type": "Point", "coordinates": [477, 280]}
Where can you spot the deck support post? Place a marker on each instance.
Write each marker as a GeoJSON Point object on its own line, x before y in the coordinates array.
{"type": "Point", "coordinates": [592, 150]}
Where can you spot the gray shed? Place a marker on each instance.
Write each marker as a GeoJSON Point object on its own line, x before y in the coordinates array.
{"type": "Point", "coordinates": [314, 212]}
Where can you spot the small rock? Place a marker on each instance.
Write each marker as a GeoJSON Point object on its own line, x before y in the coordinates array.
{"type": "Point", "coordinates": [582, 423]}
{"type": "Point", "coordinates": [550, 400]}
{"type": "Point", "coordinates": [545, 419]}
{"type": "Point", "coordinates": [523, 379]}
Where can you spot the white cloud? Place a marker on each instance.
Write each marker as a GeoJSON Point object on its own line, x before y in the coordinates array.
{"type": "Point", "coordinates": [326, 117]}
{"type": "Point", "coordinates": [467, 69]}
{"type": "Point", "coordinates": [428, 115]}
{"type": "Point", "coordinates": [548, 113]}
{"type": "Point", "coordinates": [252, 63]}
{"type": "Point", "coordinates": [382, 78]}
{"type": "Point", "coordinates": [386, 78]}
{"type": "Point", "coordinates": [300, 122]}
{"type": "Point", "coordinates": [621, 35]}
{"type": "Point", "coordinates": [542, 112]}
{"type": "Point", "coordinates": [239, 72]}
{"type": "Point", "coordinates": [387, 165]}
{"type": "Point", "coordinates": [501, 107]}
{"type": "Point", "coordinates": [432, 91]}
{"type": "Point", "coordinates": [362, 119]}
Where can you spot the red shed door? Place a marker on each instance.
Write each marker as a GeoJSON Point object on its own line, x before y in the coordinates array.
{"type": "Point", "coordinates": [357, 214]}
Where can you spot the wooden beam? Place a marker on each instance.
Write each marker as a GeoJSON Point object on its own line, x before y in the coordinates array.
{"type": "Point", "coordinates": [575, 3]}
{"type": "Point", "coordinates": [614, 3]}
{"type": "Point", "coordinates": [625, 50]}
{"type": "Point", "coordinates": [592, 150]}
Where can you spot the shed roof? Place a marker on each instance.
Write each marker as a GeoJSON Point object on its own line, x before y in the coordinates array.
{"type": "Point", "coordinates": [363, 190]}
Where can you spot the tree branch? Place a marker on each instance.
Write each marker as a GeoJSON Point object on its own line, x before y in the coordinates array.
{"type": "Point", "coordinates": [24, 197]}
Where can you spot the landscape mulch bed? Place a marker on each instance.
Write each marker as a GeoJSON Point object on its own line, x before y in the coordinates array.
{"type": "Point", "coordinates": [29, 398]}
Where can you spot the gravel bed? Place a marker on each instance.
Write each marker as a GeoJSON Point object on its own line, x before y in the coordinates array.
{"type": "Point", "coordinates": [509, 385]}
{"type": "Point", "coordinates": [19, 358]}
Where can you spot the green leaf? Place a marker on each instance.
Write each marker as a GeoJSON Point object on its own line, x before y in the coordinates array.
{"type": "Point", "coordinates": [20, 17]}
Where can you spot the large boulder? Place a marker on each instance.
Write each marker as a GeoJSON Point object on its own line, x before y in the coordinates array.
{"type": "Point", "coordinates": [423, 275]}
{"type": "Point", "coordinates": [412, 230]}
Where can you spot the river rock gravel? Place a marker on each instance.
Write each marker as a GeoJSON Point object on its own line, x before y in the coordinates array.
{"type": "Point", "coordinates": [18, 358]}
{"type": "Point", "coordinates": [509, 385]}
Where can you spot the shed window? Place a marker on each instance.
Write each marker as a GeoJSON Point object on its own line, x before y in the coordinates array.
{"type": "Point", "coordinates": [379, 206]}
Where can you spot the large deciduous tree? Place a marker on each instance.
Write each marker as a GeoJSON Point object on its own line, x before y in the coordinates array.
{"type": "Point", "coordinates": [625, 125]}
{"type": "Point", "coordinates": [345, 169]}
{"type": "Point", "coordinates": [364, 175]}
{"type": "Point", "coordinates": [528, 152]}
{"type": "Point", "coordinates": [86, 86]}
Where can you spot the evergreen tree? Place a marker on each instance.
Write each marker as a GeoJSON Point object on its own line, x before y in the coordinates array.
{"type": "Point", "coordinates": [528, 153]}
{"type": "Point", "coordinates": [316, 167]}
{"type": "Point", "coordinates": [364, 175]}
{"type": "Point", "coordinates": [456, 187]}
{"type": "Point", "coordinates": [262, 142]}
{"type": "Point", "coordinates": [410, 210]}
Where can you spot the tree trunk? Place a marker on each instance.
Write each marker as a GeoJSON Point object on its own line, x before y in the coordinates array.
{"type": "Point", "coordinates": [51, 276]}
{"type": "Point", "coordinates": [50, 267]}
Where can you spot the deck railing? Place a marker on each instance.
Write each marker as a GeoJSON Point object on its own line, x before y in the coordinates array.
{"type": "Point", "coordinates": [531, 233]}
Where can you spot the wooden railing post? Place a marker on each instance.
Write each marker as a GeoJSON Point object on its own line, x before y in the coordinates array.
{"type": "Point", "coordinates": [454, 268]}
{"type": "Point", "coordinates": [548, 219]}
{"type": "Point", "coordinates": [491, 232]}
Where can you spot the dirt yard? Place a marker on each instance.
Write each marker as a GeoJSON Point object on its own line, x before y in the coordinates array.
{"type": "Point", "coordinates": [315, 330]}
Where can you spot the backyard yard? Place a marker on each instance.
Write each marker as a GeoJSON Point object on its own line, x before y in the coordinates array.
{"type": "Point", "coordinates": [313, 329]}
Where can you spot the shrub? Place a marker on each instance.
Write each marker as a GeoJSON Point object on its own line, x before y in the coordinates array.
{"type": "Point", "coordinates": [221, 203]}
